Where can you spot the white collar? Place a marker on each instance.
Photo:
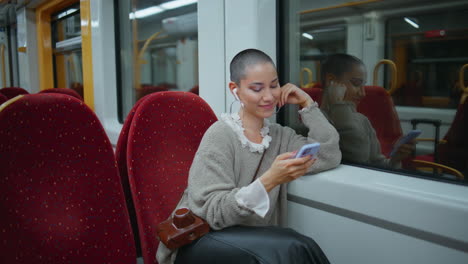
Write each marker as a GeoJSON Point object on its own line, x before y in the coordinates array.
{"type": "Point", "coordinates": [233, 120]}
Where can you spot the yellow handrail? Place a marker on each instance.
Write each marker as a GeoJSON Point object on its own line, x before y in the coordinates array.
{"type": "Point", "coordinates": [309, 83]}
{"type": "Point", "coordinates": [427, 164]}
{"type": "Point", "coordinates": [10, 101]}
{"type": "Point", "coordinates": [2, 55]}
{"type": "Point", "coordinates": [461, 78]}
{"type": "Point", "coordinates": [139, 59]}
{"type": "Point", "coordinates": [393, 88]}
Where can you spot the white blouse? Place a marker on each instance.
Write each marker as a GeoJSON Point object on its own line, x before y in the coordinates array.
{"type": "Point", "coordinates": [253, 196]}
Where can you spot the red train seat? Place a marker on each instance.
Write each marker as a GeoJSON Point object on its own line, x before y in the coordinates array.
{"type": "Point", "coordinates": [11, 92]}
{"type": "Point", "coordinates": [66, 91]}
{"type": "Point", "coordinates": [3, 98]}
{"type": "Point", "coordinates": [165, 134]}
{"type": "Point", "coordinates": [315, 93]}
{"type": "Point", "coordinates": [195, 89]}
{"type": "Point", "coordinates": [454, 151]}
{"type": "Point", "coordinates": [121, 157]}
{"type": "Point", "coordinates": [61, 197]}
{"type": "Point", "coordinates": [378, 107]}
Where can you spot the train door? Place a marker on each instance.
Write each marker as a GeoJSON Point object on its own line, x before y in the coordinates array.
{"type": "Point", "coordinates": [157, 49]}
{"type": "Point", "coordinates": [64, 47]}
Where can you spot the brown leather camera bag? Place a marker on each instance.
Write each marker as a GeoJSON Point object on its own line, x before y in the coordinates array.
{"type": "Point", "coordinates": [181, 229]}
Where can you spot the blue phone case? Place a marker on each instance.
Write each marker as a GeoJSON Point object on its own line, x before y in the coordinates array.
{"type": "Point", "coordinates": [407, 138]}
{"type": "Point", "coordinates": [309, 149]}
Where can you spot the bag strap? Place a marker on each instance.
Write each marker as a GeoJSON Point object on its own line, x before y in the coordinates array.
{"type": "Point", "coordinates": [258, 167]}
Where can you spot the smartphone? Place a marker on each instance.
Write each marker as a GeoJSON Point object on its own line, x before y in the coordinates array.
{"type": "Point", "coordinates": [407, 138]}
{"type": "Point", "coordinates": [309, 149]}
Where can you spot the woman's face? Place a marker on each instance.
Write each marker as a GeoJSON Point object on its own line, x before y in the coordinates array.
{"type": "Point", "coordinates": [354, 81]}
{"type": "Point", "coordinates": [259, 91]}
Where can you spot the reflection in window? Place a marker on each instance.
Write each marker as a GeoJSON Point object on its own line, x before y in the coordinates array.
{"type": "Point", "coordinates": [428, 50]}
{"type": "Point", "coordinates": [158, 49]}
{"type": "Point", "coordinates": [316, 43]}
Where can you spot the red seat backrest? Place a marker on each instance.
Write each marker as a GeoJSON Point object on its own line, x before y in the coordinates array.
{"type": "Point", "coordinates": [454, 153]}
{"type": "Point", "coordinates": [165, 134]}
{"type": "Point", "coordinates": [11, 92]}
{"type": "Point", "coordinates": [378, 107]}
{"type": "Point", "coordinates": [315, 93]}
{"type": "Point", "coordinates": [121, 157]}
{"type": "Point", "coordinates": [66, 91]}
{"type": "Point", "coordinates": [61, 198]}
{"type": "Point", "coordinates": [3, 98]}
{"type": "Point", "coordinates": [195, 89]}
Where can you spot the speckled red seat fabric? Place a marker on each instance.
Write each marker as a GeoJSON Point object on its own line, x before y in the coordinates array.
{"type": "Point", "coordinates": [164, 136]}
{"type": "Point", "coordinates": [11, 92]}
{"type": "Point", "coordinates": [3, 99]}
{"type": "Point", "coordinates": [315, 93]}
{"type": "Point", "coordinates": [60, 193]}
{"type": "Point", "coordinates": [378, 107]}
{"type": "Point", "coordinates": [66, 91]}
{"type": "Point", "coordinates": [121, 156]}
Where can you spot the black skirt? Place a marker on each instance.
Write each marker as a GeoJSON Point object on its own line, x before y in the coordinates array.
{"type": "Point", "coordinates": [249, 245]}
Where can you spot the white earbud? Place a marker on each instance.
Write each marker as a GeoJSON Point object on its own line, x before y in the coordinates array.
{"type": "Point", "coordinates": [237, 97]}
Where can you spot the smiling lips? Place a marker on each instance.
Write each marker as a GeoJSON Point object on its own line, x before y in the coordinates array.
{"type": "Point", "coordinates": [268, 107]}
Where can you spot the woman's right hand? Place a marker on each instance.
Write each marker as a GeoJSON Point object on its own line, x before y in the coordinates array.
{"type": "Point", "coordinates": [285, 169]}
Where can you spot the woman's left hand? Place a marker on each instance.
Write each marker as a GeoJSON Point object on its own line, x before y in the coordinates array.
{"type": "Point", "coordinates": [291, 94]}
{"type": "Point", "coordinates": [404, 151]}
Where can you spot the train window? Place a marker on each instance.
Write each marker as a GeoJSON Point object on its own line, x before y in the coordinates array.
{"type": "Point", "coordinates": [67, 54]}
{"type": "Point", "coordinates": [157, 48]}
{"type": "Point", "coordinates": [334, 52]}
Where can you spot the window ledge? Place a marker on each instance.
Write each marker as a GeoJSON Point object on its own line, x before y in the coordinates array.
{"type": "Point", "coordinates": [418, 205]}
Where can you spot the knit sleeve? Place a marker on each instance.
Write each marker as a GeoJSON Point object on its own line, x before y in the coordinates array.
{"type": "Point", "coordinates": [320, 130]}
{"type": "Point", "coordinates": [212, 184]}
{"type": "Point", "coordinates": [358, 140]}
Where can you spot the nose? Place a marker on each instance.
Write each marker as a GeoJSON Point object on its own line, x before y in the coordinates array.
{"type": "Point", "coordinates": [268, 95]}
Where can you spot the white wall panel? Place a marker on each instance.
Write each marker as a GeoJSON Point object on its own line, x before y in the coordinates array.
{"type": "Point", "coordinates": [104, 66]}
{"type": "Point", "coordinates": [211, 54]}
{"type": "Point", "coordinates": [365, 216]}
{"type": "Point", "coordinates": [27, 62]}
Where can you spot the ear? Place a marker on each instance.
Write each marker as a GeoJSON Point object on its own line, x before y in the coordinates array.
{"type": "Point", "coordinates": [328, 78]}
{"type": "Point", "coordinates": [232, 86]}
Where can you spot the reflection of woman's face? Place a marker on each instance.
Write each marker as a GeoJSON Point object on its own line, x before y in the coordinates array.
{"type": "Point", "coordinates": [354, 81]}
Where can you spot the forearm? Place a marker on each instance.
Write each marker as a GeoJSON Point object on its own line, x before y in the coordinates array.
{"type": "Point", "coordinates": [320, 130]}
{"type": "Point", "coordinates": [220, 209]}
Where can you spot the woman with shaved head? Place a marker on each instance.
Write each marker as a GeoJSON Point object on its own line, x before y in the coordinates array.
{"type": "Point", "coordinates": [238, 178]}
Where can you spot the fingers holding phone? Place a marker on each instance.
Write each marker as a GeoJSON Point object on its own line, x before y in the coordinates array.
{"type": "Point", "coordinates": [285, 168]}
{"type": "Point", "coordinates": [289, 166]}
{"type": "Point", "coordinates": [404, 151]}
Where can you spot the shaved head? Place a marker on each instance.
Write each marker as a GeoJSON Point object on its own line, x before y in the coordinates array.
{"type": "Point", "coordinates": [244, 59]}
{"type": "Point", "coordinates": [337, 64]}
